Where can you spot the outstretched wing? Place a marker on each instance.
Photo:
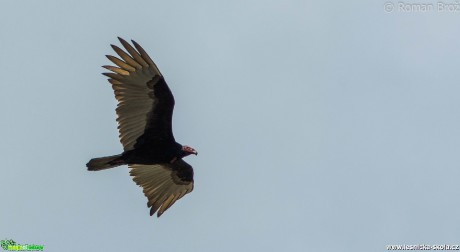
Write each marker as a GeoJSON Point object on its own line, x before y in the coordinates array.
{"type": "Point", "coordinates": [145, 102]}
{"type": "Point", "coordinates": [163, 184]}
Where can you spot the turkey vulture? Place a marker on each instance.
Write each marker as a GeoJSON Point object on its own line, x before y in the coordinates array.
{"type": "Point", "coordinates": [145, 109]}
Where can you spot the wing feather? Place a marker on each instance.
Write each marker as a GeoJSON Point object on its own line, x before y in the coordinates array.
{"type": "Point", "coordinates": [136, 56]}
{"type": "Point", "coordinates": [114, 76]}
{"type": "Point", "coordinates": [146, 57]}
{"type": "Point", "coordinates": [116, 70]}
{"type": "Point", "coordinates": [120, 63]}
{"type": "Point", "coordinates": [126, 57]}
{"type": "Point", "coordinates": [163, 184]}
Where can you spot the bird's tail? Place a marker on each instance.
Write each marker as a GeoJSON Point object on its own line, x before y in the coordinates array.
{"type": "Point", "coordinates": [102, 163]}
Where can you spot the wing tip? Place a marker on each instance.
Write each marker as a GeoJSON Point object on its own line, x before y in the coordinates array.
{"type": "Point", "coordinates": [121, 39]}
{"type": "Point", "coordinates": [152, 212]}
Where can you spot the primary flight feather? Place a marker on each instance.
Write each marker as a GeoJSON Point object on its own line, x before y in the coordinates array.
{"type": "Point", "coordinates": [145, 109]}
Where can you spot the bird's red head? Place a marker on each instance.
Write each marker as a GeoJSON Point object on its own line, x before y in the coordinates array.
{"type": "Point", "coordinates": [187, 150]}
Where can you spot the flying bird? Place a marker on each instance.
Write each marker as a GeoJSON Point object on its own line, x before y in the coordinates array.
{"type": "Point", "coordinates": [145, 110]}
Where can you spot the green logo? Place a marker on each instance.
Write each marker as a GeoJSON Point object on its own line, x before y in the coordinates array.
{"type": "Point", "coordinates": [6, 243]}
{"type": "Point", "coordinates": [11, 245]}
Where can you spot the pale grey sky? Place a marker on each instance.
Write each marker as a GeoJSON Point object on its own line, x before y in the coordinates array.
{"type": "Point", "coordinates": [321, 126]}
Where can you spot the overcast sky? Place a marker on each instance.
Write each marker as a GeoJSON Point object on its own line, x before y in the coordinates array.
{"type": "Point", "coordinates": [320, 126]}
